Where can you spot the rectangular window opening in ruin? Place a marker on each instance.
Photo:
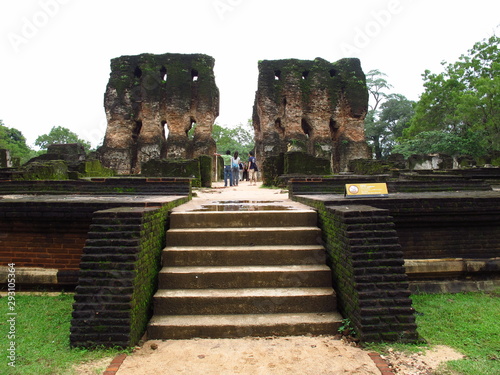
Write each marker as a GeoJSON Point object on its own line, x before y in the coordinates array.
{"type": "Point", "coordinates": [277, 75]}
{"type": "Point", "coordinates": [194, 75]}
{"type": "Point", "coordinates": [163, 74]}
{"type": "Point", "coordinates": [306, 128]}
{"type": "Point", "coordinates": [334, 129]}
{"type": "Point", "coordinates": [137, 130]}
{"type": "Point", "coordinates": [333, 72]}
{"type": "Point", "coordinates": [278, 126]}
{"type": "Point", "coordinates": [164, 129]}
{"type": "Point", "coordinates": [192, 127]}
{"type": "Point", "coordinates": [137, 72]}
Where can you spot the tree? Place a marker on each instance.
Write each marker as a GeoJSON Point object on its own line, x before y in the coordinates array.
{"type": "Point", "coordinates": [238, 139]}
{"type": "Point", "coordinates": [388, 115]}
{"type": "Point", "coordinates": [462, 103]}
{"type": "Point", "coordinates": [395, 115]}
{"type": "Point", "coordinates": [376, 83]}
{"type": "Point", "coordinates": [14, 141]}
{"type": "Point", "coordinates": [60, 135]}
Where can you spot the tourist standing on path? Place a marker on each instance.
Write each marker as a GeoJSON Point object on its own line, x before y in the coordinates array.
{"type": "Point", "coordinates": [252, 168]}
{"type": "Point", "coordinates": [227, 168]}
{"type": "Point", "coordinates": [235, 164]}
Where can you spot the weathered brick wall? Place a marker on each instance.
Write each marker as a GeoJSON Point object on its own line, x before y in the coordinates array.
{"type": "Point", "coordinates": [50, 232]}
{"type": "Point", "coordinates": [114, 186]}
{"type": "Point", "coordinates": [368, 273]}
{"type": "Point", "coordinates": [118, 276]}
{"type": "Point", "coordinates": [336, 185]}
{"type": "Point", "coordinates": [43, 243]}
{"type": "Point", "coordinates": [437, 225]}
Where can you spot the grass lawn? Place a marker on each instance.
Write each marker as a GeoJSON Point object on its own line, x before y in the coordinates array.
{"type": "Point", "coordinates": [42, 337]}
{"type": "Point", "coordinates": [467, 322]}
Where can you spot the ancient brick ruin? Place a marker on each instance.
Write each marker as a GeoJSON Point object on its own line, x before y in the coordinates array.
{"type": "Point", "coordinates": [316, 107]}
{"type": "Point", "coordinates": [149, 94]}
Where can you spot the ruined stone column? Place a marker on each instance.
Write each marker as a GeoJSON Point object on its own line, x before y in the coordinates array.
{"type": "Point", "coordinates": [315, 107]}
{"type": "Point", "coordinates": [149, 96]}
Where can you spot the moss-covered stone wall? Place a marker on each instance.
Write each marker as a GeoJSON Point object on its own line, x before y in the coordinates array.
{"type": "Point", "coordinates": [311, 106]}
{"type": "Point", "coordinates": [368, 273]}
{"type": "Point", "coordinates": [118, 276]}
{"type": "Point", "coordinates": [174, 168]}
{"type": "Point", "coordinates": [159, 106]}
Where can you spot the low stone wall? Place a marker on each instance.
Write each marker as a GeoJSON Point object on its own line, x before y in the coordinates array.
{"type": "Point", "coordinates": [405, 184]}
{"type": "Point", "coordinates": [118, 276]}
{"type": "Point", "coordinates": [450, 237]}
{"type": "Point", "coordinates": [368, 273]}
{"type": "Point", "coordinates": [45, 235]}
{"type": "Point", "coordinates": [111, 185]}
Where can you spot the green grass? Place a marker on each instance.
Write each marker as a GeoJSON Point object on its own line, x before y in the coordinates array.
{"type": "Point", "coordinates": [467, 322]}
{"type": "Point", "coordinates": [42, 337]}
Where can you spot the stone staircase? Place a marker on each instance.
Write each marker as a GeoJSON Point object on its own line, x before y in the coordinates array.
{"type": "Point", "coordinates": [243, 273]}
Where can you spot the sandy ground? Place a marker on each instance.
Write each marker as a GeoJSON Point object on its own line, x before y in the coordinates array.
{"type": "Point", "coordinates": [272, 355]}
{"type": "Point", "coordinates": [256, 356]}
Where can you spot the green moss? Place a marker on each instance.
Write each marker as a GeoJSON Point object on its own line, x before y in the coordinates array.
{"type": "Point", "coordinates": [344, 77]}
{"type": "Point", "coordinates": [94, 168]}
{"type": "Point", "coordinates": [273, 168]}
{"type": "Point", "coordinates": [143, 77]}
{"type": "Point", "coordinates": [173, 168]}
{"type": "Point", "coordinates": [205, 170]}
{"type": "Point", "coordinates": [49, 170]}
{"type": "Point", "coordinates": [303, 163]}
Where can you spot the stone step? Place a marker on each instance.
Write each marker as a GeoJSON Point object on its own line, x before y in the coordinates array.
{"type": "Point", "coordinates": [243, 219]}
{"type": "Point", "coordinates": [245, 277]}
{"type": "Point", "coordinates": [243, 301]}
{"type": "Point", "coordinates": [172, 327]}
{"type": "Point", "coordinates": [245, 236]}
{"type": "Point", "coordinates": [243, 255]}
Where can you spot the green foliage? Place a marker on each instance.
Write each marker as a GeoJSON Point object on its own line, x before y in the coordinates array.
{"type": "Point", "coordinates": [42, 337]}
{"type": "Point", "coordinates": [60, 135]}
{"type": "Point", "coordinates": [428, 142]}
{"type": "Point", "coordinates": [388, 116]}
{"type": "Point", "coordinates": [14, 141]}
{"type": "Point", "coordinates": [238, 139]}
{"type": "Point", "coordinates": [463, 99]}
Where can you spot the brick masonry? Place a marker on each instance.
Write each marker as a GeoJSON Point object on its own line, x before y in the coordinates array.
{"type": "Point", "coordinates": [118, 276]}
{"type": "Point", "coordinates": [112, 185]}
{"type": "Point", "coordinates": [437, 225]}
{"type": "Point", "coordinates": [49, 232]}
{"type": "Point", "coordinates": [368, 271]}
{"type": "Point", "coordinates": [406, 184]}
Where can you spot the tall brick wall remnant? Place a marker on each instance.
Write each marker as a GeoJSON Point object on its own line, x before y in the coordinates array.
{"type": "Point", "coordinates": [315, 106]}
{"type": "Point", "coordinates": [148, 96]}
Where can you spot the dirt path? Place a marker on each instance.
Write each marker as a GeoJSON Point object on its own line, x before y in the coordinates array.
{"type": "Point", "coordinates": [249, 356]}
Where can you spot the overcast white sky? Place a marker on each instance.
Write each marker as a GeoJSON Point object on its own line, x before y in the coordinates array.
{"type": "Point", "coordinates": [55, 54]}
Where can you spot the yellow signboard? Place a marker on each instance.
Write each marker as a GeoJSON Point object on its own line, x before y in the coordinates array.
{"type": "Point", "coordinates": [366, 190]}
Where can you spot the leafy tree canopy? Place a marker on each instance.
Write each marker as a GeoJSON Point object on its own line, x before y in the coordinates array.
{"type": "Point", "coordinates": [60, 135]}
{"type": "Point", "coordinates": [14, 141]}
{"type": "Point", "coordinates": [388, 116]}
{"type": "Point", "coordinates": [462, 103]}
{"type": "Point", "coordinates": [239, 138]}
